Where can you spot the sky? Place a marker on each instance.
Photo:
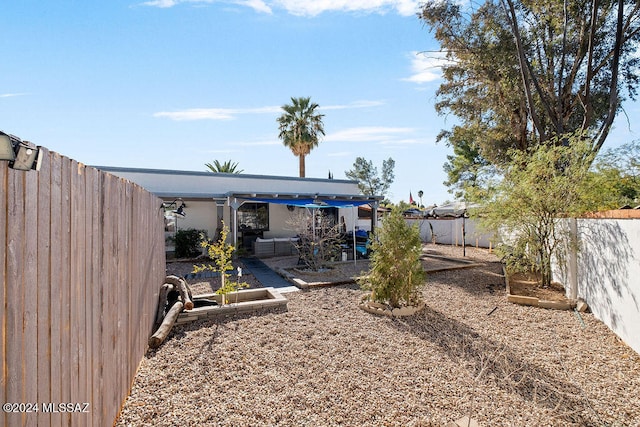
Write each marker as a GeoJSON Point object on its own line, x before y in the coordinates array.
{"type": "Point", "coordinates": [175, 84]}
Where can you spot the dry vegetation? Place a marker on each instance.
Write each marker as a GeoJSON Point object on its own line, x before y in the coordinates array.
{"type": "Point", "coordinates": [324, 362]}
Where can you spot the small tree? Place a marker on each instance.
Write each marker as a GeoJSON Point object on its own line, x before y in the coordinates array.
{"type": "Point", "coordinates": [370, 182]}
{"type": "Point", "coordinates": [396, 270]}
{"type": "Point", "coordinates": [539, 188]}
{"type": "Point", "coordinates": [319, 238]}
{"type": "Point", "coordinates": [222, 255]}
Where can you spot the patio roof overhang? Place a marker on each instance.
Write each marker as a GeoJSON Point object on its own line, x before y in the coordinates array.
{"type": "Point", "coordinates": [315, 200]}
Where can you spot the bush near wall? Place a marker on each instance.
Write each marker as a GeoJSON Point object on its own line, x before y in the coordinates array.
{"type": "Point", "coordinates": [187, 243]}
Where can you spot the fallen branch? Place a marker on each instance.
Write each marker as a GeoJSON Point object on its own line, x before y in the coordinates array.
{"type": "Point", "coordinates": [183, 289]}
{"type": "Point", "coordinates": [162, 302]}
{"type": "Point", "coordinates": [167, 323]}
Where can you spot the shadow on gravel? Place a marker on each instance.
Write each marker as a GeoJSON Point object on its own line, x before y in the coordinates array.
{"type": "Point", "coordinates": [493, 363]}
{"type": "Point", "coordinates": [479, 280]}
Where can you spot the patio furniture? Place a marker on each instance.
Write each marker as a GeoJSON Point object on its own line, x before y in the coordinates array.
{"type": "Point", "coordinates": [278, 246]}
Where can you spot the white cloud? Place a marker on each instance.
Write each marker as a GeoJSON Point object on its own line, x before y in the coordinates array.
{"type": "Point", "coordinates": [309, 7]}
{"type": "Point", "coordinates": [161, 3]}
{"type": "Point", "coordinates": [233, 113]}
{"type": "Point", "coordinates": [256, 5]}
{"type": "Point", "coordinates": [340, 154]}
{"type": "Point", "coordinates": [197, 114]}
{"type": "Point", "coordinates": [316, 7]}
{"type": "Point", "coordinates": [11, 95]}
{"type": "Point", "coordinates": [379, 134]}
{"type": "Point", "coordinates": [213, 113]}
{"type": "Point", "coordinates": [426, 67]}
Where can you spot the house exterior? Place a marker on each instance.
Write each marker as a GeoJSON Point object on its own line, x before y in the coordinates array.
{"type": "Point", "coordinates": [252, 206]}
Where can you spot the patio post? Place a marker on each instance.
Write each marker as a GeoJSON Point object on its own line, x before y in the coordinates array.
{"type": "Point", "coordinates": [374, 214]}
{"type": "Point", "coordinates": [235, 204]}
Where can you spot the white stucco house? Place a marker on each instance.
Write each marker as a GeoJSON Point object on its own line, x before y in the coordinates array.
{"type": "Point", "coordinates": [252, 206]}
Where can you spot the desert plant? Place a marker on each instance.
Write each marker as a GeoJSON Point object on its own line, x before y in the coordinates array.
{"type": "Point", "coordinates": [221, 253]}
{"type": "Point", "coordinates": [319, 238]}
{"type": "Point", "coordinates": [187, 243]}
{"type": "Point", "coordinates": [539, 188]}
{"type": "Point", "coordinates": [396, 270]}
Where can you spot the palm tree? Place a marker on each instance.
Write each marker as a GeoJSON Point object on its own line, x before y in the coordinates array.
{"type": "Point", "coordinates": [300, 127]}
{"type": "Point", "coordinates": [226, 167]}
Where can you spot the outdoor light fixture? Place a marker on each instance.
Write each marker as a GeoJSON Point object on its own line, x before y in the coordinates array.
{"type": "Point", "coordinates": [22, 155]}
{"type": "Point", "coordinates": [180, 209]}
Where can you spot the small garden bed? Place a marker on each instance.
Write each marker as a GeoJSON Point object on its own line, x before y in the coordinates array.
{"type": "Point", "coordinates": [526, 289]}
{"type": "Point", "coordinates": [247, 300]}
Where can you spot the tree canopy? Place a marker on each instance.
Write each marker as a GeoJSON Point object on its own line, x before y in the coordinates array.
{"type": "Point", "coordinates": [370, 182]}
{"type": "Point", "coordinates": [521, 73]}
{"type": "Point", "coordinates": [614, 180]}
{"type": "Point", "coordinates": [300, 128]}
{"type": "Point", "coordinates": [226, 167]}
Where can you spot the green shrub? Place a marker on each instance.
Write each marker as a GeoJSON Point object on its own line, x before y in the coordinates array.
{"type": "Point", "coordinates": [396, 270]}
{"type": "Point", "coordinates": [221, 253]}
{"type": "Point", "coordinates": [188, 243]}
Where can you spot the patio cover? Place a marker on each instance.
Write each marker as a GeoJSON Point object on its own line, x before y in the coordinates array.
{"type": "Point", "coordinates": [316, 202]}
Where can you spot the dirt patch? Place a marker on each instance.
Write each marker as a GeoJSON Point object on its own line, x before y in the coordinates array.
{"type": "Point", "coordinates": [338, 273]}
{"type": "Point", "coordinates": [528, 285]}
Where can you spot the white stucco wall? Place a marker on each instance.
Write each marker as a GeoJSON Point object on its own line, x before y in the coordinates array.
{"type": "Point", "coordinates": [609, 274]}
{"type": "Point", "coordinates": [200, 215]}
{"type": "Point", "coordinates": [449, 232]}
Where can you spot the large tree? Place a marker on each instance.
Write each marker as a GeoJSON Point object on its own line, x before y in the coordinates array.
{"type": "Point", "coordinates": [523, 72]}
{"type": "Point", "coordinates": [370, 182]}
{"type": "Point", "coordinates": [300, 128]}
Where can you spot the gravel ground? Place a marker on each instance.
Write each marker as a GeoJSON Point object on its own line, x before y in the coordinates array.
{"type": "Point", "coordinates": [325, 362]}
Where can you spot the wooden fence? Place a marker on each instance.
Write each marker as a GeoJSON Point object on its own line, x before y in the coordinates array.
{"type": "Point", "coordinates": [81, 261]}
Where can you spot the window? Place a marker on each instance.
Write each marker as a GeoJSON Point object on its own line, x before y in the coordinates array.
{"type": "Point", "coordinates": [253, 216]}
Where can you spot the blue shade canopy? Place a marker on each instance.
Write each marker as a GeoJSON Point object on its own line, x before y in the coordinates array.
{"type": "Point", "coordinates": [308, 202]}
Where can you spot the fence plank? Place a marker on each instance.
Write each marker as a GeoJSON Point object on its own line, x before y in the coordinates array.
{"type": "Point", "coordinates": [15, 294]}
{"type": "Point", "coordinates": [4, 194]}
{"type": "Point", "coordinates": [88, 203]}
{"type": "Point", "coordinates": [56, 259]}
{"type": "Point", "coordinates": [44, 286]}
{"type": "Point", "coordinates": [77, 297]}
{"type": "Point", "coordinates": [97, 385]}
{"type": "Point", "coordinates": [66, 358]}
{"type": "Point", "coordinates": [110, 252]}
{"type": "Point", "coordinates": [122, 288]}
{"type": "Point", "coordinates": [74, 286]}
{"type": "Point", "coordinates": [135, 302]}
{"type": "Point", "coordinates": [30, 285]}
